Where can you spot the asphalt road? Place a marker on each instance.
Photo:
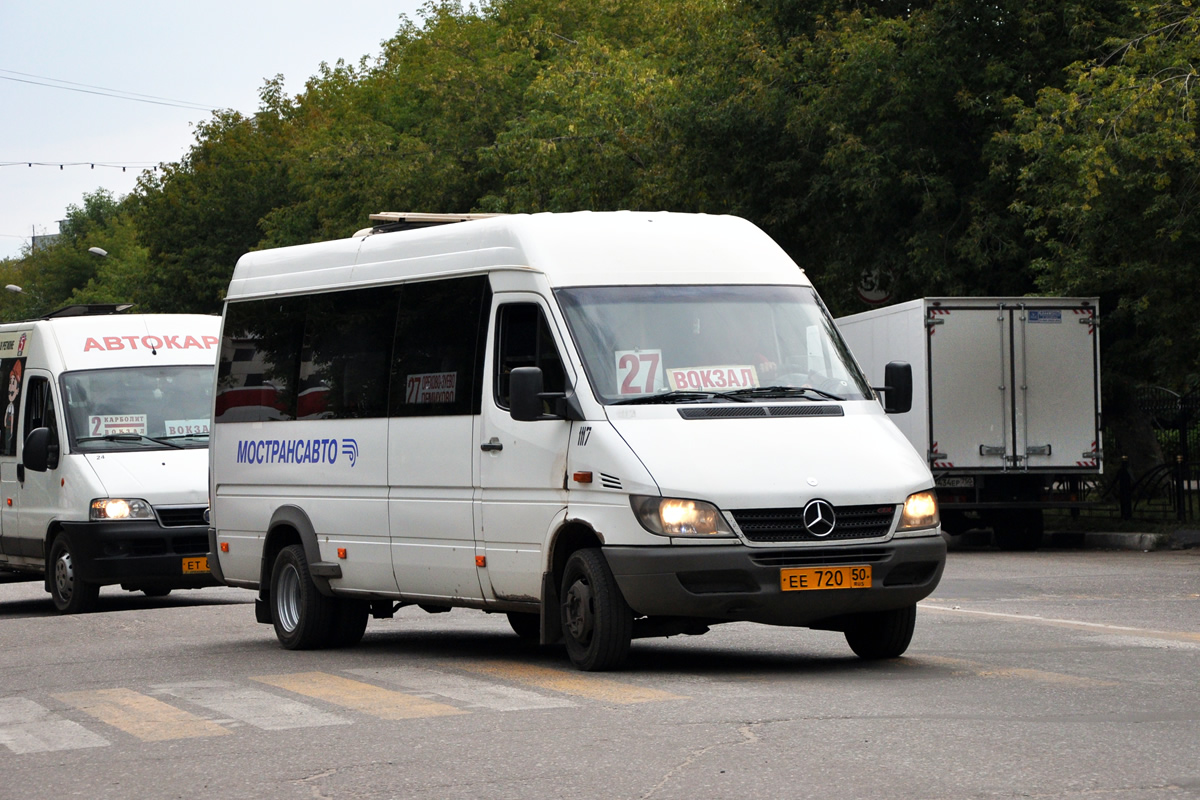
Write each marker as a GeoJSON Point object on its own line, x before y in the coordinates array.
{"type": "Point", "coordinates": [1060, 674]}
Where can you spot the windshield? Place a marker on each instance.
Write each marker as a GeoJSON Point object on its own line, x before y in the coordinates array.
{"type": "Point", "coordinates": [687, 343]}
{"type": "Point", "coordinates": [138, 408]}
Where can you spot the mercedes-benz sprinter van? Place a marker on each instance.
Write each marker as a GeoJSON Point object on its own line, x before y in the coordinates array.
{"type": "Point", "coordinates": [604, 425]}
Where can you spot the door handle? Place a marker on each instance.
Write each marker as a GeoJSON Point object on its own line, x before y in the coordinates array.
{"type": "Point", "coordinates": [492, 445]}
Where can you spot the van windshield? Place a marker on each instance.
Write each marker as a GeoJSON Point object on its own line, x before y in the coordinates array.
{"type": "Point", "coordinates": [652, 344]}
{"type": "Point", "coordinates": [139, 408]}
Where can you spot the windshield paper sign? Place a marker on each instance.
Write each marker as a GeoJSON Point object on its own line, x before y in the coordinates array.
{"type": "Point", "coordinates": [184, 427]}
{"type": "Point", "coordinates": [639, 371]}
{"type": "Point", "coordinates": [713, 379]}
{"type": "Point", "coordinates": [297, 451]}
{"type": "Point", "coordinates": [110, 424]}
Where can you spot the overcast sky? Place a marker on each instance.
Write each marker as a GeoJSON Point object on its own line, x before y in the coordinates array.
{"type": "Point", "coordinates": [215, 54]}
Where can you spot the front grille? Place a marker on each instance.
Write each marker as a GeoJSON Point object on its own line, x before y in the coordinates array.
{"type": "Point", "coordinates": [191, 545]}
{"type": "Point", "coordinates": [787, 524]}
{"type": "Point", "coordinates": [180, 516]}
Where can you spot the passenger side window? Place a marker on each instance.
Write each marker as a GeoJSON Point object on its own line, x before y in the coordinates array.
{"type": "Point", "coordinates": [523, 339]}
{"type": "Point", "coordinates": [259, 362]}
{"type": "Point", "coordinates": [344, 358]}
{"type": "Point", "coordinates": [39, 409]}
{"type": "Point", "coordinates": [439, 348]}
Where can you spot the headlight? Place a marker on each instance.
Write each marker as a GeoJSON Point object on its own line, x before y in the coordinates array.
{"type": "Point", "coordinates": [105, 508]}
{"type": "Point", "coordinates": [669, 516]}
{"type": "Point", "coordinates": [920, 511]}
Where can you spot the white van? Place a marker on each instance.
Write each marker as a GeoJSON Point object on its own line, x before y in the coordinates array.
{"type": "Point", "coordinates": [605, 425]}
{"type": "Point", "coordinates": [104, 456]}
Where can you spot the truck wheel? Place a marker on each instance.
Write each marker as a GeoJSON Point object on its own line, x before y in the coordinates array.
{"type": "Point", "coordinates": [597, 623]}
{"type": "Point", "coordinates": [882, 634]}
{"type": "Point", "coordinates": [303, 617]}
{"type": "Point", "coordinates": [1018, 531]}
{"type": "Point", "coordinates": [350, 621]}
{"type": "Point", "coordinates": [527, 626]}
{"type": "Point", "coordinates": [71, 594]}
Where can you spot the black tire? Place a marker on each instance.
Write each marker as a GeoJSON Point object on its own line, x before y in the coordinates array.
{"type": "Point", "coordinates": [527, 626]}
{"type": "Point", "coordinates": [70, 594]}
{"type": "Point", "coordinates": [350, 622]}
{"type": "Point", "coordinates": [1018, 531]}
{"type": "Point", "coordinates": [882, 634]}
{"type": "Point", "coordinates": [303, 617]}
{"type": "Point", "coordinates": [597, 623]}
{"type": "Point", "coordinates": [156, 592]}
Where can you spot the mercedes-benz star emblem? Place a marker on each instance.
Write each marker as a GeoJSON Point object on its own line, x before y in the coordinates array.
{"type": "Point", "coordinates": [819, 518]}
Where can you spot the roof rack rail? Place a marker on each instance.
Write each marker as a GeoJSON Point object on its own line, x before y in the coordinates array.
{"type": "Point", "coordinates": [88, 310]}
{"type": "Point", "coordinates": [389, 221]}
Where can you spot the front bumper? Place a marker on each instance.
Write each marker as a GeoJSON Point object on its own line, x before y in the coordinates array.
{"type": "Point", "coordinates": [139, 554]}
{"type": "Point", "coordinates": [731, 583]}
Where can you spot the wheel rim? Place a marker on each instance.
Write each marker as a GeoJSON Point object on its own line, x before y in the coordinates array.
{"type": "Point", "coordinates": [287, 598]}
{"type": "Point", "coordinates": [578, 611]}
{"type": "Point", "coordinates": [64, 576]}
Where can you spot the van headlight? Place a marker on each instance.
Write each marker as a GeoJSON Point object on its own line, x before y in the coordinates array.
{"type": "Point", "coordinates": [106, 508]}
{"type": "Point", "coordinates": [920, 511]}
{"type": "Point", "coordinates": [671, 516]}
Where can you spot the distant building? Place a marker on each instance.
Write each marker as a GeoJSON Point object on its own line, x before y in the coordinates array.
{"type": "Point", "coordinates": [45, 240]}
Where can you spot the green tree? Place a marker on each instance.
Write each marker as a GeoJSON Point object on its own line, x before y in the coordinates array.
{"type": "Point", "coordinates": [1109, 188]}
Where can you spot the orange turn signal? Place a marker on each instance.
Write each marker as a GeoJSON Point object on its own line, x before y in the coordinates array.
{"type": "Point", "coordinates": [224, 547]}
{"type": "Point", "coordinates": [481, 561]}
{"type": "Point", "coordinates": [341, 552]}
{"type": "Point", "coordinates": [582, 477]}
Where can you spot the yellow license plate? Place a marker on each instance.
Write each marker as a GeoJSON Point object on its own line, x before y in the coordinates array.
{"type": "Point", "coordinates": [804, 579]}
{"type": "Point", "coordinates": [195, 564]}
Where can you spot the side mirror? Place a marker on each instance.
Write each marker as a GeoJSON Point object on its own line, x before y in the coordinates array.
{"type": "Point", "coordinates": [898, 389]}
{"type": "Point", "coordinates": [41, 450]}
{"type": "Point", "coordinates": [524, 388]}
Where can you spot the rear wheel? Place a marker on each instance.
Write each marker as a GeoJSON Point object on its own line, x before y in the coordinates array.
{"type": "Point", "coordinates": [303, 617]}
{"type": "Point", "coordinates": [882, 634]}
{"type": "Point", "coordinates": [597, 623]}
{"type": "Point", "coordinates": [1017, 531]}
{"type": "Point", "coordinates": [71, 594]}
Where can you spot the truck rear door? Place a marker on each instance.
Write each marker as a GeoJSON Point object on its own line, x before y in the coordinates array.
{"type": "Point", "coordinates": [1013, 386]}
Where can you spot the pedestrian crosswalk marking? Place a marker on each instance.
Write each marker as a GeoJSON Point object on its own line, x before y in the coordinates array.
{"type": "Point", "coordinates": [471, 691]}
{"type": "Point", "coordinates": [137, 714]}
{"type": "Point", "coordinates": [27, 727]}
{"type": "Point", "coordinates": [572, 683]}
{"type": "Point", "coordinates": [358, 696]}
{"type": "Point", "coordinates": [251, 706]}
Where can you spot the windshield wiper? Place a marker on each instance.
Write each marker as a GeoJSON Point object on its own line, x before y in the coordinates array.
{"type": "Point", "coordinates": [129, 437]}
{"type": "Point", "coordinates": [785, 391]}
{"type": "Point", "coordinates": [677, 396]}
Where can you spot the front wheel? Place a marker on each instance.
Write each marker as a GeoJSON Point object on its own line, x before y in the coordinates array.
{"type": "Point", "coordinates": [527, 626]}
{"type": "Point", "coordinates": [71, 594]}
{"type": "Point", "coordinates": [597, 623]}
{"type": "Point", "coordinates": [882, 634]}
{"type": "Point", "coordinates": [304, 619]}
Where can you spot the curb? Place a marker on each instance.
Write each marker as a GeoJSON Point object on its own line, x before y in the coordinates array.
{"type": "Point", "coordinates": [1072, 540]}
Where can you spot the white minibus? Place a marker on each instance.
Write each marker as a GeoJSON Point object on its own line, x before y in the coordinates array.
{"type": "Point", "coordinates": [605, 425]}
{"type": "Point", "coordinates": [104, 458]}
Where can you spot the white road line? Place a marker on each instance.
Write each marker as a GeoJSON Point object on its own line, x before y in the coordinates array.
{"type": "Point", "coordinates": [471, 691]}
{"type": "Point", "coordinates": [1098, 627]}
{"type": "Point", "coordinates": [26, 727]}
{"type": "Point", "coordinates": [252, 706]}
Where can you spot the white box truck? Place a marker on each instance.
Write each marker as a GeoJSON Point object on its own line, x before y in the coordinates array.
{"type": "Point", "coordinates": [1006, 402]}
{"type": "Point", "coordinates": [604, 425]}
{"type": "Point", "coordinates": [104, 456]}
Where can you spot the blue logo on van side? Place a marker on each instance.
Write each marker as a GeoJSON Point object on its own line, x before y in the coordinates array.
{"type": "Point", "coordinates": [296, 451]}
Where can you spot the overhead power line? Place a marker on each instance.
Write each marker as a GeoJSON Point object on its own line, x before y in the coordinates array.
{"type": "Point", "coordinates": [71, 86]}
